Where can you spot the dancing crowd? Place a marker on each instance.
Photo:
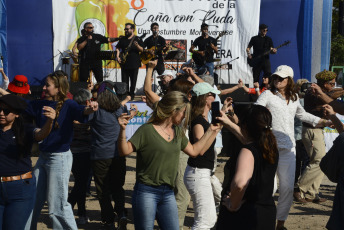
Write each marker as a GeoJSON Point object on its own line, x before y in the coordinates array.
{"type": "Point", "coordinates": [176, 151]}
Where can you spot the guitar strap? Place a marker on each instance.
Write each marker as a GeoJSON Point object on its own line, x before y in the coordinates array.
{"type": "Point", "coordinates": [131, 42]}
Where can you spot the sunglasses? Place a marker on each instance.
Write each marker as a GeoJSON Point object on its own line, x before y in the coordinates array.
{"type": "Point", "coordinates": [279, 78]}
{"type": "Point", "coordinates": [211, 94]}
{"type": "Point", "coordinates": [6, 111]}
{"type": "Point", "coordinates": [266, 30]}
{"type": "Point", "coordinates": [331, 83]}
{"type": "Point", "coordinates": [90, 27]}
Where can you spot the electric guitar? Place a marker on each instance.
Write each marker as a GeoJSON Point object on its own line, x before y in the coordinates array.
{"type": "Point", "coordinates": [253, 62]}
{"type": "Point", "coordinates": [124, 54]}
{"type": "Point", "coordinates": [208, 52]}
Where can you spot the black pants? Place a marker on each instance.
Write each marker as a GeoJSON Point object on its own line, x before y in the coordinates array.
{"type": "Point", "coordinates": [264, 66]}
{"type": "Point", "coordinates": [81, 170]}
{"type": "Point", "coordinates": [302, 159]}
{"type": "Point", "coordinates": [85, 68]}
{"type": "Point", "coordinates": [109, 177]}
{"type": "Point", "coordinates": [132, 74]}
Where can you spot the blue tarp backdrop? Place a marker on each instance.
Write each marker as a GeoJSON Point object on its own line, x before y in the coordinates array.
{"type": "Point", "coordinates": [26, 35]}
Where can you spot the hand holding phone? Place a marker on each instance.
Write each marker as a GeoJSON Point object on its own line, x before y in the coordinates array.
{"type": "Point", "coordinates": [215, 112]}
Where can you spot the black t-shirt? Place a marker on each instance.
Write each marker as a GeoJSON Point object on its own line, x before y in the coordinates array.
{"type": "Point", "coordinates": [207, 160]}
{"type": "Point", "coordinates": [159, 42]}
{"type": "Point", "coordinates": [133, 59]}
{"type": "Point", "coordinates": [92, 47]}
{"type": "Point", "coordinates": [11, 161]}
{"type": "Point", "coordinates": [203, 43]}
{"type": "Point", "coordinates": [260, 45]}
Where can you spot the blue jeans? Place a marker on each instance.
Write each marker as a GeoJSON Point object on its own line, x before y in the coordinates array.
{"type": "Point", "coordinates": [52, 172]}
{"type": "Point", "coordinates": [209, 66]}
{"type": "Point", "coordinates": [17, 199]}
{"type": "Point", "coordinates": [154, 201]}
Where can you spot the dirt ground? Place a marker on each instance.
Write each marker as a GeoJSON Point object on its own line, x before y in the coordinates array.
{"type": "Point", "coordinates": [308, 216]}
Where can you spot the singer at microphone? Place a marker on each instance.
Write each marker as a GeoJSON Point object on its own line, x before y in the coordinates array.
{"type": "Point", "coordinates": [155, 45]}
{"type": "Point", "coordinates": [88, 45]}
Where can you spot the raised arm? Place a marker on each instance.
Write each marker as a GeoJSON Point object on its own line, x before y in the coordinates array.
{"type": "Point", "coordinates": [205, 142]}
{"type": "Point", "coordinates": [232, 89]}
{"type": "Point", "coordinates": [330, 114]}
{"type": "Point", "coordinates": [43, 132]}
{"type": "Point", "coordinates": [231, 126]}
{"type": "Point", "coordinates": [151, 96]}
{"type": "Point", "coordinates": [124, 147]}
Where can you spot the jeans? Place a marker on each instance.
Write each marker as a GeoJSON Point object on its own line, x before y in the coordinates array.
{"type": "Point", "coordinates": [286, 176]}
{"type": "Point", "coordinates": [109, 177]}
{"type": "Point", "coordinates": [81, 170]}
{"type": "Point", "coordinates": [154, 201]}
{"type": "Point", "coordinates": [16, 203]}
{"type": "Point", "coordinates": [198, 183]}
{"type": "Point", "coordinates": [207, 66]}
{"type": "Point", "coordinates": [52, 171]}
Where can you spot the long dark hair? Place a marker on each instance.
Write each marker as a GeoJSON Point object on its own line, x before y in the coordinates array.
{"type": "Point", "coordinates": [197, 105]}
{"type": "Point", "coordinates": [290, 93]}
{"type": "Point", "coordinates": [19, 133]}
{"type": "Point", "coordinates": [257, 125]}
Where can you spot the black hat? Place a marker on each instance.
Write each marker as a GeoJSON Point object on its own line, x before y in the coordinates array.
{"type": "Point", "coordinates": [13, 101]}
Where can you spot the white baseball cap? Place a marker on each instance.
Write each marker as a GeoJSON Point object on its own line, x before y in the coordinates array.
{"type": "Point", "coordinates": [284, 71]}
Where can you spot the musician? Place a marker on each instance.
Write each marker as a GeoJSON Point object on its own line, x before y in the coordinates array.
{"type": "Point", "coordinates": [130, 47]}
{"type": "Point", "coordinates": [160, 45]}
{"type": "Point", "coordinates": [207, 46]}
{"type": "Point", "coordinates": [88, 45]}
{"type": "Point", "coordinates": [261, 43]}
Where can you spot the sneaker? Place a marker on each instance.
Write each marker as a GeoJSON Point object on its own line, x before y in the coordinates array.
{"type": "Point", "coordinates": [83, 220]}
{"type": "Point", "coordinates": [122, 223]}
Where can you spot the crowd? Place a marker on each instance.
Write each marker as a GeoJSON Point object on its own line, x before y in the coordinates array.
{"type": "Point", "coordinates": [176, 152]}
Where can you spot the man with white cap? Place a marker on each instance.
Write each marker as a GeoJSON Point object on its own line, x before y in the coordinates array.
{"type": "Point", "coordinates": [165, 79]}
{"type": "Point", "coordinates": [284, 105]}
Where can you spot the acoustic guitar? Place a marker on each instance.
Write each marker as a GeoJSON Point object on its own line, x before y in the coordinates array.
{"type": "Point", "coordinates": [147, 56]}
{"type": "Point", "coordinates": [253, 62]}
{"type": "Point", "coordinates": [124, 54]}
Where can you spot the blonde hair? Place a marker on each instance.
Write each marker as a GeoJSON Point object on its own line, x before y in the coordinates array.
{"type": "Point", "coordinates": [171, 103]}
{"type": "Point", "coordinates": [61, 83]}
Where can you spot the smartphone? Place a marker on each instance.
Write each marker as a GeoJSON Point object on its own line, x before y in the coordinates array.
{"type": "Point", "coordinates": [215, 112]}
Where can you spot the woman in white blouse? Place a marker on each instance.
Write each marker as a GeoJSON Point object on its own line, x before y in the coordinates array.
{"type": "Point", "coordinates": [284, 105]}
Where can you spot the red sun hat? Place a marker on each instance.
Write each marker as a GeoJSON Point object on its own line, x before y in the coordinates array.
{"type": "Point", "coordinates": [19, 85]}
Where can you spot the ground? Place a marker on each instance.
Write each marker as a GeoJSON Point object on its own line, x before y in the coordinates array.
{"type": "Point", "coordinates": [308, 216]}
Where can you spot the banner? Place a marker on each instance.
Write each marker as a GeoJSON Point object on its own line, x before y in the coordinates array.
{"type": "Point", "coordinates": [178, 20]}
{"type": "Point", "coordinates": [142, 116]}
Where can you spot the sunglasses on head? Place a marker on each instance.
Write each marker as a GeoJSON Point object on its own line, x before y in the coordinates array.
{"type": "Point", "coordinates": [278, 78]}
{"type": "Point", "coordinates": [5, 110]}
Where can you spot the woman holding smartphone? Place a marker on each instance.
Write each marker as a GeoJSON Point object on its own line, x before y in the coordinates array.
{"type": "Point", "coordinates": [197, 177]}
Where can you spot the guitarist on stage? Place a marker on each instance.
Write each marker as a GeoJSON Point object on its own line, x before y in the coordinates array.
{"type": "Point", "coordinates": [128, 56]}
{"type": "Point", "coordinates": [260, 43]}
{"type": "Point", "coordinates": [207, 46]}
{"type": "Point", "coordinates": [88, 45]}
{"type": "Point", "coordinates": [160, 45]}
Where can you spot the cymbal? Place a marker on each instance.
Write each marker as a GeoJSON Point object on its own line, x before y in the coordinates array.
{"type": "Point", "coordinates": [217, 59]}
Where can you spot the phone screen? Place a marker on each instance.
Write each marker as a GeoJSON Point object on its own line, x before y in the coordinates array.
{"type": "Point", "coordinates": [215, 112]}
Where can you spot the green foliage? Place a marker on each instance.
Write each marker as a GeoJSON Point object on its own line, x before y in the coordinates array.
{"type": "Point", "coordinates": [337, 41]}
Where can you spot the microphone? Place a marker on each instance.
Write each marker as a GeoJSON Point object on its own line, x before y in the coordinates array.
{"type": "Point", "coordinates": [142, 36]}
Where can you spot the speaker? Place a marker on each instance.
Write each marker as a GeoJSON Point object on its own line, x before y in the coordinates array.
{"type": "Point", "coordinates": [75, 86]}
{"type": "Point", "coordinates": [121, 88]}
{"type": "Point", "coordinates": [238, 95]}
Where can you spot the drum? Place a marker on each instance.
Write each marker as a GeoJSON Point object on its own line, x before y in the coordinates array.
{"type": "Point", "coordinates": [74, 73]}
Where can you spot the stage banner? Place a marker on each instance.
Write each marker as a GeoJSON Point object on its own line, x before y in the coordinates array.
{"type": "Point", "coordinates": [179, 21]}
{"type": "Point", "coordinates": [331, 134]}
{"type": "Point", "coordinates": [142, 116]}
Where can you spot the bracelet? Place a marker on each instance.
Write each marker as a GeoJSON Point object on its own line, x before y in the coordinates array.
{"type": "Point", "coordinates": [257, 89]}
{"type": "Point", "coordinates": [230, 113]}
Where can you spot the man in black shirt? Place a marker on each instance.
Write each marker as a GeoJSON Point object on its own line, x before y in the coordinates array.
{"type": "Point", "coordinates": [261, 44]}
{"type": "Point", "coordinates": [207, 46]}
{"type": "Point", "coordinates": [88, 45]}
{"type": "Point", "coordinates": [160, 45]}
{"type": "Point", "coordinates": [129, 47]}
